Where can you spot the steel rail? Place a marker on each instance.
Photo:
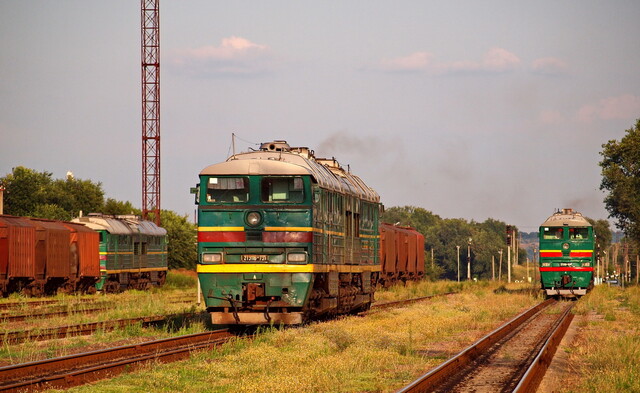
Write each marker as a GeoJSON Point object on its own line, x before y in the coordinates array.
{"type": "Point", "coordinates": [74, 370]}
{"type": "Point", "coordinates": [19, 336]}
{"type": "Point", "coordinates": [430, 380]}
{"type": "Point", "coordinates": [8, 318]}
{"type": "Point", "coordinates": [397, 303]}
{"type": "Point", "coordinates": [23, 317]}
{"type": "Point", "coordinates": [55, 302]}
{"type": "Point", "coordinates": [534, 374]}
{"type": "Point", "coordinates": [14, 305]}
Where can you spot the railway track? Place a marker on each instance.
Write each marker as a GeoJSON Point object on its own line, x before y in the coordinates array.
{"type": "Point", "coordinates": [8, 317]}
{"type": "Point", "coordinates": [74, 370]}
{"type": "Point", "coordinates": [19, 336]}
{"type": "Point", "coordinates": [30, 304]}
{"type": "Point", "coordinates": [405, 302]}
{"type": "Point", "coordinates": [511, 358]}
{"type": "Point", "coordinates": [37, 303]}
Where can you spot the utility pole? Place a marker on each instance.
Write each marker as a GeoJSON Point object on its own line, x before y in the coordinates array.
{"type": "Point", "coordinates": [509, 263]}
{"type": "Point", "coordinates": [469, 260]}
{"type": "Point", "coordinates": [509, 243]}
{"type": "Point", "coordinates": [432, 261]}
{"type": "Point", "coordinates": [500, 266]}
{"type": "Point", "coordinates": [458, 247]}
{"type": "Point", "coordinates": [493, 268]}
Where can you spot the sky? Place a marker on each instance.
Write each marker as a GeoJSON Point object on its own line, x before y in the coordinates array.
{"type": "Point", "coordinates": [474, 110]}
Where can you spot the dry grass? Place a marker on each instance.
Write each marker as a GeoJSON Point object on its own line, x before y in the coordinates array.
{"type": "Point", "coordinates": [607, 351]}
{"type": "Point", "coordinates": [377, 353]}
{"type": "Point", "coordinates": [130, 304]}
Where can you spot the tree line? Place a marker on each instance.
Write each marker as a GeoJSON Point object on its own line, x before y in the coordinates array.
{"type": "Point", "coordinates": [37, 194]}
{"type": "Point", "coordinates": [31, 193]}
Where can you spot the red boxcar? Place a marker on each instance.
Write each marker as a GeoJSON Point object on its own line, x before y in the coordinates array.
{"type": "Point", "coordinates": [43, 256]}
{"type": "Point", "coordinates": [388, 258]}
{"type": "Point", "coordinates": [17, 252]}
{"type": "Point", "coordinates": [85, 256]}
{"type": "Point", "coordinates": [401, 254]}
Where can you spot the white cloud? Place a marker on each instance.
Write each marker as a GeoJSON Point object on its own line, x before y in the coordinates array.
{"type": "Point", "coordinates": [626, 106]}
{"type": "Point", "coordinates": [234, 56]}
{"type": "Point", "coordinates": [549, 66]}
{"type": "Point", "coordinates": [495, 60]}
{"type": "Point", "coordinates": [418, 61]}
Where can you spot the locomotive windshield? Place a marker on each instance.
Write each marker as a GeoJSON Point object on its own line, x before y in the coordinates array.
{"type": "Point", "coordinates": [228, 189]}
{"type": "Point", "coordinates": [578, 233]}
{"type": "Point", "coordinates": [283, 189]}
{"type": "Point", "coordinates": [552, 233]}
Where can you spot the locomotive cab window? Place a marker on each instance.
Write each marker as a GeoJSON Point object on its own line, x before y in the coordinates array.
{"type": "Point", "coordinates": [283, 189]}
{"type": "Point", "coordinates": [578, 233]}
{"type": "Point", "coordinates": [227, 189]}
{"type": "Point", "coordinates": [553, 233]}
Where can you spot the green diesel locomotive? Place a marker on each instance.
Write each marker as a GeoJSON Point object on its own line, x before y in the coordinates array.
{"type": "Point", "coordinates": [285, 237]}
{"type": "Point", "coordinates": [566, 254]}
{"type": "Point", "coordinates": [133, 252]}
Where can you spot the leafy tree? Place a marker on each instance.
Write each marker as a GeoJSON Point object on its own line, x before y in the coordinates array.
{"type": "Point", "coordinates": [182, 240]}
{"type": "Point", "coordinates": [115, 207]}
{"type": "Point", "coordinates": [603, 234]}
{"type": "Point", "coordinates": [621, 178]}
{"type": "Point", "coordinates": [415, 217]}
{"type": "Point", "coordinates": [75, 195]}
{"type": "Point", "coordinates": [25, 189]}
{"type": "Point", "coordinates": [36, 194]}
{"type": "Point", "coordinates": [51, 212]}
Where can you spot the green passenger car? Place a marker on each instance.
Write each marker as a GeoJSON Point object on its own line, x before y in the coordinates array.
{"type": "Point", "coordinates": [284, 237]}
{"type": "Point", "coordinates": [566, 254]}
{"type": "Point", "coordinates": [133, 252]}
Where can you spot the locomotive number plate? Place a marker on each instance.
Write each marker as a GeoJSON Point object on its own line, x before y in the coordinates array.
{"type": "Point", "coordinates": [254, 258]}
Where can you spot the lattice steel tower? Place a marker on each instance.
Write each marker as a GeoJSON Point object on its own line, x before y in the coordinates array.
{"type": "Point", "coordinates": [151, 109]}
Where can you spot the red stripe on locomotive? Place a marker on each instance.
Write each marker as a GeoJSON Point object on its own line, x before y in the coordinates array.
{"type": "Point", "coordinates": [287, 237]}
{"type": "Point", "coordinates": [566, 269]}
{"type": "Point", "coordinates": [222, 237]}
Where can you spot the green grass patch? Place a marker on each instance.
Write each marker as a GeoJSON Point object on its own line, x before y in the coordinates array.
{"type": "Point", "coordinates": [608, 348]}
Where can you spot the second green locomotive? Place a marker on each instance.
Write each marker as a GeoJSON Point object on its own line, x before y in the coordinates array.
{"type": "Point", "coordinates": [133, 252]}
{"type": "Point", "coordinates": [284, 237]}
{"type": "Point", "coordinates": [566, 254]}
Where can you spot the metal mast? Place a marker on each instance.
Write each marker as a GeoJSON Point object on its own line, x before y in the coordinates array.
{"type": "Point", "coordinates": [151, 109]}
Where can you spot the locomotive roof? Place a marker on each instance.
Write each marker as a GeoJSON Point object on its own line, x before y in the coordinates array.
{"type": "Point", "coordinates": [277, 158]}
{"type": "Point", "coordinates": [121, 225]}
{"type": "Point", "coordinates": [566, 217]}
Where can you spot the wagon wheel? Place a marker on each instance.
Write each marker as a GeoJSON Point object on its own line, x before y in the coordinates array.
{"type": "Point", "coordinates": [162, 277]}
{"type": "Point", "coordinates": [112, 286]}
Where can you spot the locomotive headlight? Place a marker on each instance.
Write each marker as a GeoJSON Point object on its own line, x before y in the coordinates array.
{"type": "Point", "coordinates": [254, 219]}
{"type": "Point", "coordinates": [297, 257]}
{"type": "Point", "coordinates": [212, 257]}
{"type": "Point", "coordinates": [565, 246]}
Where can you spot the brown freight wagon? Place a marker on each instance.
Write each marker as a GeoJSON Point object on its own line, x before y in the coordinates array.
{"type": "Point", "coordinates": [420, 256]}
{"type": "Point", "coordinates": [401, 254]}
{"type": "Point", "coordinates": [388, 259]}
{"type": "Point", "coordinates": [84, 258]}
{"type": "Point", "coordinates": [17, 253]}
{"type": "Point", "coordinates": [40, 256]}
{"type": "Point", "coordinates": [52, 258]}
